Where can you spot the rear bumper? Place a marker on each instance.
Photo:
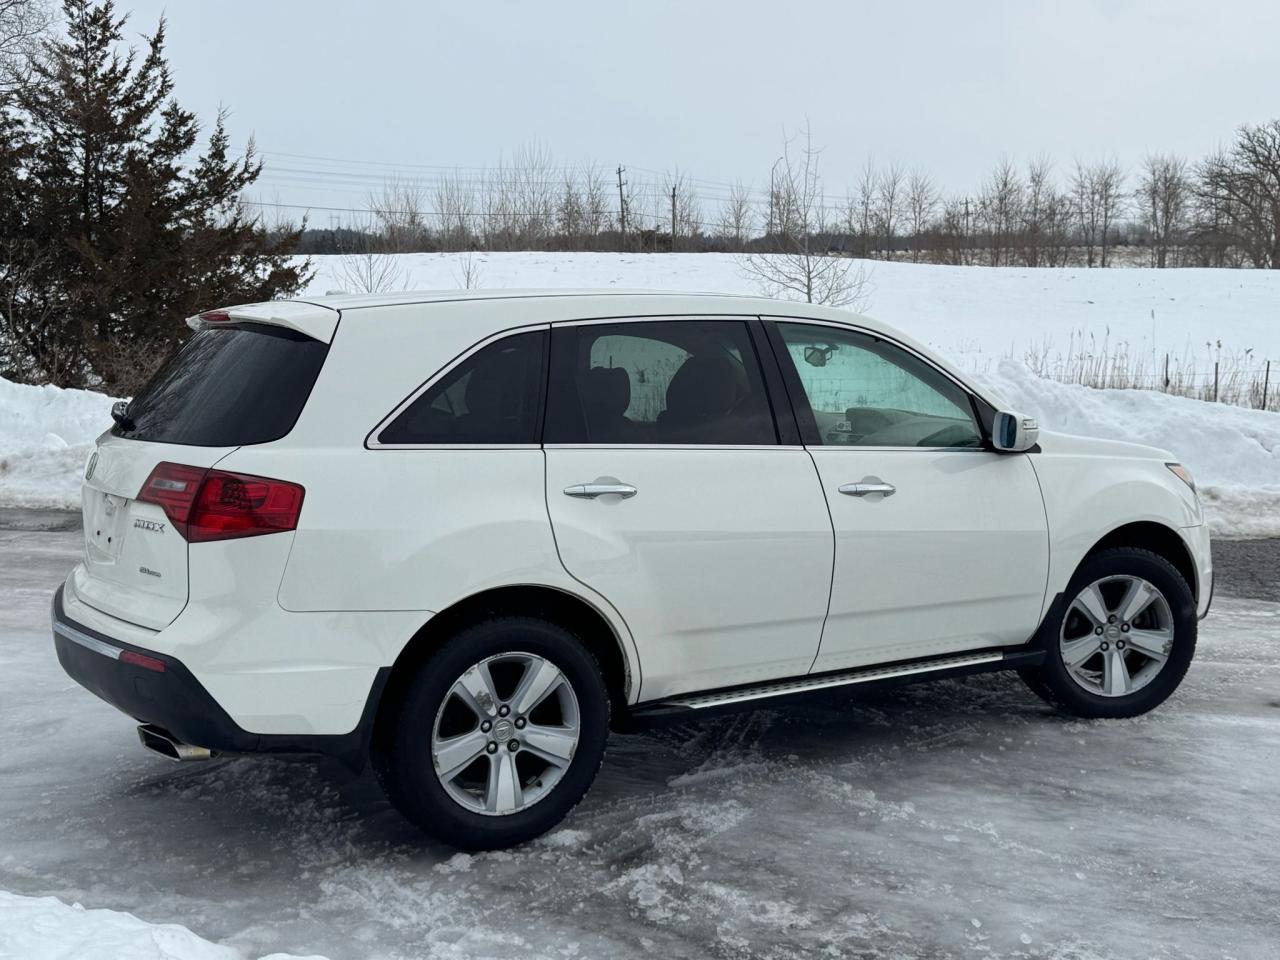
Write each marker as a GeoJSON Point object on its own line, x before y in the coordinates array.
{"type": "Point", "coordinates": [174, 699]}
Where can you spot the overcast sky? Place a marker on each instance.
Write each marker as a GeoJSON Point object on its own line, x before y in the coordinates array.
{"type": "Point", "coordinates": [949, 87]}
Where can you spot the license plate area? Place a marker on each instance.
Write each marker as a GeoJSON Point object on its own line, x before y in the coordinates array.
{"type": "Point", "coordinates": [105, 528]}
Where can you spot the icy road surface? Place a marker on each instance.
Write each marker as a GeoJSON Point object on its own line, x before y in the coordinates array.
{"type": "Point", "coordinates": [951, 819]}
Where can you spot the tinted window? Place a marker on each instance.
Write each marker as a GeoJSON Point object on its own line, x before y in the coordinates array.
{"type": "Point", "coordinates": [493, 396]}
{"type": "Point", "coordinates": [228, 386]}
{"type": "Point", "coordinates": [867, 392]}
{"type": "Point", "coordinates": [657, 382]}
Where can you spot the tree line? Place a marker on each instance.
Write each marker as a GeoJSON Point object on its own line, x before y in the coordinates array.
{"type": "Point", "coordinates": [1222, 210]}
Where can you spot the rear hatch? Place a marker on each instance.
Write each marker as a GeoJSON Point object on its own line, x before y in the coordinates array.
{"type": "Point", "coordinates": [232, 384]}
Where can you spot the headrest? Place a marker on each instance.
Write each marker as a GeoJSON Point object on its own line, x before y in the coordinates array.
{"type": "Point", "coordinates": [703, 386]}
{"type": "Point", "coordinates": [606, 391]}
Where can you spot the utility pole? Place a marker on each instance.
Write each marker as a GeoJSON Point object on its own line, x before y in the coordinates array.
{"type": "Point", "coordinates": [622, 206]}
{"type": "Point", "coordinates": [673, 218]}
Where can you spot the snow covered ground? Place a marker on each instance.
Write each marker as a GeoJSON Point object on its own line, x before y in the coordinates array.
{"type": "Point", "coordinates": [950, 819]}
{"type": "Point", "coordinates": [976, 315]}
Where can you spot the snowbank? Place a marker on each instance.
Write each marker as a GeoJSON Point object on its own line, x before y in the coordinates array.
{"type": "Point", "coordinates": [1233, 453]}
{"type": "Point", "coordinates": [46, 434]}
{"type": "Point", "coordinates": [45, 928]}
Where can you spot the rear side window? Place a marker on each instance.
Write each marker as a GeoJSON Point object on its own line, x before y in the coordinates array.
{"type": "Point", "coordinates": [657, 382]}
{"type": "Point", "coordinates": [228, 386]}
{"type": "Point", "coordinates": [493, 396]}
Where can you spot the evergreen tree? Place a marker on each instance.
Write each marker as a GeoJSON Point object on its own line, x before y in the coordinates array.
{"type": "Point", "coordinates": [129, 233]}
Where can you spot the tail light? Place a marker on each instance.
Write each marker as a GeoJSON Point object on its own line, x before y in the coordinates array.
{"type": "Point", "coordinates": [207, 505]}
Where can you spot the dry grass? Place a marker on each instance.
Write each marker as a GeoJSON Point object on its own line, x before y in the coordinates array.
{"type": "Point", "coordinates": [1212, 373]}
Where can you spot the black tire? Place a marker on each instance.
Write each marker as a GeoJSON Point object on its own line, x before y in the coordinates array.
{"type": "Point", "coordinates": [1053, 680]}
{"type": "Point", "coordinates": [403, 759]}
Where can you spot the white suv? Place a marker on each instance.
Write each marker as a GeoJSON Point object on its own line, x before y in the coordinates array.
{"type": "Point", "coordinates": [463, 534]}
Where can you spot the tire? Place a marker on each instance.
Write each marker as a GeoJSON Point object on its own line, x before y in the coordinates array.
{"type": "Point", "coordinates": [439, 723]}
{"type": "Point", "coordinates": [1097, 667]}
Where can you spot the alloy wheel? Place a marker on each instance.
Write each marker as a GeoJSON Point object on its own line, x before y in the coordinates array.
{"type": "Point", "coordinates": [505, 733]}
{"type": "Point", "coordinates": [1116, 636]}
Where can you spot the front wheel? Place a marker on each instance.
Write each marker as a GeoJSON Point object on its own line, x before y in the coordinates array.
{"type": "Point", "coordinates": [1124, 639]}
{"type": "Point", "coordinates": [499, 737]}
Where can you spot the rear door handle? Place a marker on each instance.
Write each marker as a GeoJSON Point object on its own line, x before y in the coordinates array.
{"type": "Point", "coordinates": [867, 486]}
{"type": "Point", "coordinates": [589, 491]}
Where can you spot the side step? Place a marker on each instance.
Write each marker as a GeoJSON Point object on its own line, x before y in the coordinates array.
{"type": "Point", "coordinates": [958, 663]}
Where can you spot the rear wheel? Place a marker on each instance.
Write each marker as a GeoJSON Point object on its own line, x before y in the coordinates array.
{"type": "Point", "coordinates": [1124, 639]}
{"type": "Point", "coordinates": [500, 735]}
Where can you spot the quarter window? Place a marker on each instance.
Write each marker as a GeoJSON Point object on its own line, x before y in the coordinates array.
{"type": "Point", "coordinates": [864, 391]}
{"type": "Point", "coordinates": [492, 397]}
{"type": "Point", "coordinates": [657, 382]}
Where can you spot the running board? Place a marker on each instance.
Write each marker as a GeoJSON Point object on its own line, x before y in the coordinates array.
{"type": "Point", "coordinates": [960, 663]}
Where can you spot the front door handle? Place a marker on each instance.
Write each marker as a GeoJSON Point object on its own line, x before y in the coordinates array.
{"type": "Point", "coordinates": [589, 491]}
{"type": "Point", "coordinates": [866, 486]}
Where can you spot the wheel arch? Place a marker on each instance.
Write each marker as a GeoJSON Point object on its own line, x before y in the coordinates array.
{"type": "Point", "coordinates": [552, 604]}
{"type": "Point", "coordinates": [1162, 540]}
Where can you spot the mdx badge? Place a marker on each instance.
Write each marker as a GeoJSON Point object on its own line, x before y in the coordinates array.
{"type": "Point", "coordinates": [152, 525]}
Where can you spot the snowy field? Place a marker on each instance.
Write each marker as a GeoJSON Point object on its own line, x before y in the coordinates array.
{"type": "Point", "coordinates": [975, 315]}
{"type": "Point", "coordinates": [950, 819]}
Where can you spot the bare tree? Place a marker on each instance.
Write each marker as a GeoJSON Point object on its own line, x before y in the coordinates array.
{"type": "Point", "coordinates": [22, 24]}
{"type": "Point", "coordinates": [864, 216]}
{"type": "Point", "coordinates": [1039, 199]}
{"type": "Point", "coordinates": [398, 214]}
{"type": "Point", "coordinates": [1239, 189]}
{"type": "Point", "coordinates": [366, 266]}
{"type": "Point", "coordinates": [1162, 199]}
{"type": "Point", "coordinates": [1059, 229]}
{"type": "Point", "coordinates": [571, 213]}
{"type": "Point", "coordinates": [1087, 208]}
{"type": "Point", "coordinates": [736, 216]}
{"type": "Point", "coordinates": [596, 200]}
{"type": "Point", "coordinates": [455, 207]}
{"type": "Point", "coordinates": [805, 269]}
{"type": "Point", "coordinates": [922, 203]}
{"type": "Point", "coordinates": [468, 273]}
{"type": "Point", "coordinates": [1000, 207]}
{"type": "Point", "coordinates": [1110, 179]}
{"type": "Point", "coordinates": [952, 240]}
{"type": "Point", "coordinates": [889, 189]}
{"type": "Point", "coordinates": [685, 212]}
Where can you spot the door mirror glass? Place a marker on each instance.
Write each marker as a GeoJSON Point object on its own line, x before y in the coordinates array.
{"type": "Point", "coordinates": [1013, 433]}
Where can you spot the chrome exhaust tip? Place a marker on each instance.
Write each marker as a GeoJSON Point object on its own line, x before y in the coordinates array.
{"type": "Point", "coordinates": [161, 741]}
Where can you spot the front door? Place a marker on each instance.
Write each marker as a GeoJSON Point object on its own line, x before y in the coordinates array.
{"type": "Point", "coordinates": [941, 544]}
{"type": "Point", "coordinates": [671, 496]}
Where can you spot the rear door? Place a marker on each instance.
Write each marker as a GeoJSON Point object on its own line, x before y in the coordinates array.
{"type": "Point", "coordinates": [941, 543]}
{"type": "Point", "coordinates": [671, 495]}
{"type": "Point", "coordinates": [229, 385]}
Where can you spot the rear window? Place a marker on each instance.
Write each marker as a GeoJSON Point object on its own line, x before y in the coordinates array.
{"type": "Point", "coordinates": [228, 386]}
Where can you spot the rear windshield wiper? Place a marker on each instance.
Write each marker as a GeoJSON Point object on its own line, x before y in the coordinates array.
{"type": "Point", "coordinates": [120, 414]}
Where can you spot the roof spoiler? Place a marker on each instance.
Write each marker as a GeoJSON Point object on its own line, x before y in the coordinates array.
{"type": "Point", "coordinates": [315, 321]}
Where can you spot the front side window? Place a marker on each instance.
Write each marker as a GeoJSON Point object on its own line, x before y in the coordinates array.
{"type": "Point", "coordinates": [493, 396]}
{"type": "Point", "coordinates": [657, 382]}
{"type": "Point", "coordinates": [865, 391]}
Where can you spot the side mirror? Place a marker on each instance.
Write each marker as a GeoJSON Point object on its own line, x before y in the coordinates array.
{"type": "Point", "coordinates": [818, 356]}
{"type": "Point", "coordinates": [1013, 433]}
